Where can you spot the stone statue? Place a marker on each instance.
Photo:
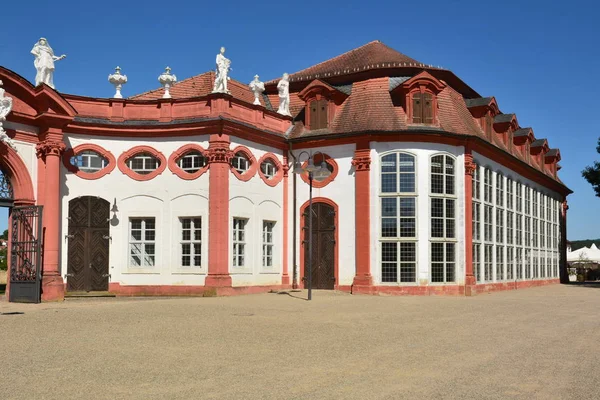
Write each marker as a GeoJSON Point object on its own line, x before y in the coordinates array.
{"type": "Point", "coordinates": [44, 62]}
{"type": "Point", "coordinates": [284, 95]}
{"type": "Point", "coordinates": [223, 67]}
{"type": "Point", "coordinates": [257, 88]}
{"type": "Point", "coordinates": [6, 104]}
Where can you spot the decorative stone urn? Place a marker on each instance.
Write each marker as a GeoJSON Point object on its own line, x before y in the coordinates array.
{"type": "Point", "coordinates": [118, 81]}
{"type": "Point", "coordinates": [167, 79]}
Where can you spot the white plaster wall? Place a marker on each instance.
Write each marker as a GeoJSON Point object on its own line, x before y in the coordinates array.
{"type": "Point", "coordinates": [26, 151]}
{"type": "Point", "coordinates": [340, 191]}
{"type": "Point", "coordinates": [423, 153]}
{"type": "Point", "coordinates": [256, 201]}
{"type": "Point", "coordinates": [166, 198]}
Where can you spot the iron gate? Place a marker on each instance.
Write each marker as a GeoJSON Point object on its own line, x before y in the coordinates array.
{"type": "Point", "coordinates": [25, 254]}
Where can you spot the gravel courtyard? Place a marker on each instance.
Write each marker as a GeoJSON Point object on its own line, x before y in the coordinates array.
{"type": "Point", "coordinates": [538, 343]}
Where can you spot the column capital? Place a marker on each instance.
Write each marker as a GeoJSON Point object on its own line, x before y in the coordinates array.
{"type": "Point", "coordinates": [565, 206]}
{"type": "Point", "coordinates": [470, 166]}
{"type": "Point", "coordinates": [219, 153]}
{"type": "Point", "coordinates": [50, 148]}
{"type": "Point", "coordinates": [362, 160]}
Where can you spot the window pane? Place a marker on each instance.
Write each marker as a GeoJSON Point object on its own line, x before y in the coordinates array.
{"type": "Point", "coordinates": [407, 183]}
{"type": "Point", "coordinates": [388, 163]}
{"type": "Point", "coordinates": [407, 206]}
{"type": "Point", "coordinates": [388, 183]}
{"type": "Point", "coordinates": [389, 207]}
{"type": "Point", "coordinates": [389, 227]}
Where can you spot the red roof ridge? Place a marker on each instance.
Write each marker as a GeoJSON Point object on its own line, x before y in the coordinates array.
{"type": "Point", "coordinates": [135, 96]}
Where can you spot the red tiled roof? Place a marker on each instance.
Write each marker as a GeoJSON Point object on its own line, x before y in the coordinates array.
{"type": "Point", "coordinates": [373, 54]}
{"type": "Point", "coordinates": [369, 108]}
{"type": "Point", "coordinates": [196, 86]}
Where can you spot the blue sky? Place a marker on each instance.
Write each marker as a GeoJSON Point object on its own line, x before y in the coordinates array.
{"type": "Point", "coordinates": [538, 58]}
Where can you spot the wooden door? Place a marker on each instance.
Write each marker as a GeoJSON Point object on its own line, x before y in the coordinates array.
{"type": "Point", "coordinates": [88, 244]}
{"type": "Point", "coordinates": [323, 260]}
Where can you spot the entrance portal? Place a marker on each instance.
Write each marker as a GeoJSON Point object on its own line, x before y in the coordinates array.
{"type": "Point", "coordinates": [87, 268]}
{"type": "Point", "coordinates": [323, 236]}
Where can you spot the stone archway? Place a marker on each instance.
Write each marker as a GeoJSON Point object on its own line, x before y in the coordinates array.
{"type": "Point", "coordinates": [18, 191]}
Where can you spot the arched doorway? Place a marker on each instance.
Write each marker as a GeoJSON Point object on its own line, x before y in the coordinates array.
{"type": "Point", "coordinates": [88, 249]}
{"type": "Point", "coordinates": [324, 235]}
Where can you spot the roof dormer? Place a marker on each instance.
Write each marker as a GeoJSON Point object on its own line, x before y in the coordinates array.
{"type": "Point", "coordinates": [420, 98]}
{"type": "Point", "coordinates": [504, 125]}
{"type": "Point", "coordinates": [321, 101]}
{"type": "Point", "coordinates": [484, 109]}
{"type": "Point", "coordinates": [522, 139]}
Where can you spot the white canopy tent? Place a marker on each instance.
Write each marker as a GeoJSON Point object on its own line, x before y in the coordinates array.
{"type": "Point", "coordinates": [587, 255]}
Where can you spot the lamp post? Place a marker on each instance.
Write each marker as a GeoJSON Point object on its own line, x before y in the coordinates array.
{"type": "Point", "coordinates": [318, 172]}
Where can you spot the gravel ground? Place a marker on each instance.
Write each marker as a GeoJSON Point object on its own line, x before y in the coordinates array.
{"type": "Point", "coordinates": [537, 343]}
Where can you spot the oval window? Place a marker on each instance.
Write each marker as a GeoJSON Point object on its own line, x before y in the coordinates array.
{"type": "Point", "coordinates": [143, 163]}
{"type": "Point", "coordinates": [192, 161]}
{"type": "Point", "coordinates": [268, 168]}
{"type": "Point", "coordinates": [240, 162]}
{"type": "Point", "coordinates": [89, 161]}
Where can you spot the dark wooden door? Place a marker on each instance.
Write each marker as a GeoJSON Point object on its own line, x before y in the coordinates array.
{"type": "Point", "coordinates": [88, 244]}
{"type": "Point", "coordinates": [323, 260]}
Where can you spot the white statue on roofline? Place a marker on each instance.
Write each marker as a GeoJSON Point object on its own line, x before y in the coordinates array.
{"type": "Point", "coordinates": [44, 62]}
{"type": "Point", "coordinates": [257, 87]}
{"type": "Point", "coordinates": [222, 73]}
{"type": "Point", "coordinates": [284, 95]}
{"type": "Point", "coordinates": [6, 104]}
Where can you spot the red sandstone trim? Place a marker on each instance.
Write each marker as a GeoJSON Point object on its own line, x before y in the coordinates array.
{"type": "Point", "coordinates": [451, 290]}
{"type": "Point", "coordinates": [468, 193]}
{"type": "Point", "coordinates": [18, 174]}
{"type": "Point", "coordinates": [66, 159]}
{"type": "Point", "coordinates": [318, 160]}
{"type": "Point", "coordinates": [285, 278]}
{"type": "Point", "coordinates": [278, 176]}
{"type": "Point", "coordinates": [362, 211]}
{"type": "Point", "coordinates": [121, 162]}
{"type": "Point", "coordinates": [188, 290]}
{"type": "Point", "coordinates": [246, 176]}
{"type": "Point", "coordinates": [337, 240]}
{"type": "Point", "coordinates": [180, 152]}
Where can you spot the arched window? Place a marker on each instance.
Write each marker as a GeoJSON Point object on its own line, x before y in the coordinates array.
{"type": "Point", "coordinates": [398, 218]}
{"type": "Point", "coordinates": [488, 225]}
{"type": "Point", "coordinates": [443, 215]}
{"type": "Point", "coordinates": [476, 224]}
{"type": "Point", "coordinates": [268, 168]}
{"type": "Point", "coordinates": [6, 190]}
{"type": "Point", "coordinates": [510, 231]}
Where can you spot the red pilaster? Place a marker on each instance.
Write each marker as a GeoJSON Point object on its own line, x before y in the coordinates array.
{"type": "Point", "coordinates": [219, 156]}
{"type": "Point", "coordinates": [469, 171]}
{"type": "Point", "coordinates": [363, 281]}
{"type": "Point", "coordinates": [285, 278]}
{"type": "Point", "coordinates": [50, 151]}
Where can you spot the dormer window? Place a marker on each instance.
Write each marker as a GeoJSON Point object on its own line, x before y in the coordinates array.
{"type": "Point", "coordinates": [318, 114]}
{"type": "Point", "coordinates": [422, 108]}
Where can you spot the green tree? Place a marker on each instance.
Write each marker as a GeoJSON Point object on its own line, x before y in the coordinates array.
{"type": "Point", "coordinates": [4, 235]}
{"type": "Point", "coordinates": [3, 260]}
{"type": "Point", "coordinates": [592, 173]}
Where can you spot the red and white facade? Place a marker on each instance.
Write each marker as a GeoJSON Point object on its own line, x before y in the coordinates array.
{"type": "Point", "coordinates": [433, 189]}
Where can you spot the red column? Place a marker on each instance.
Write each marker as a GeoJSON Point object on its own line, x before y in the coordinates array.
{"type": "Point", "coordinates": [50, 150]}
{"type": "Point", "coordinates": [219, 157]}
{"type": "Point", "coordinates": [363, 281]}
{"type": "Point", "coordinates": [285, 278]}
{"type": "Point", "coordinates": [469, 171]}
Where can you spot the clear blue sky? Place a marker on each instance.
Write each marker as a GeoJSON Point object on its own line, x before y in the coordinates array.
{"type": "Point", "coordinates": [538, 58]}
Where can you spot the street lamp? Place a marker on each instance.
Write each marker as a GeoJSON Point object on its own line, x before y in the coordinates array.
{"type": "Point", "coordinates": [318, 172]}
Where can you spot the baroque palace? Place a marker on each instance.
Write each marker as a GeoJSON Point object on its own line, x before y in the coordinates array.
{"type": "Point", "coordinates": [419, 184]}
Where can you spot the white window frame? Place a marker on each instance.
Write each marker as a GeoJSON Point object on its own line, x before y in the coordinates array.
{"type": "Point", "coordinates": [270, 169]}
{"type": "Point", "coordinates": [191, 242]}
{"type": "Point", "coordinates": [86, 157]}
{"type": "Point", "coordinates": [237, 244]}
{"type": "Point", "coordinates": [143, 242]}
{"type": "Point", "coordinates": [240, 162]}
{"type": "Point", "coordinates": [144, 156]}
{"type": "Point", "coordinates": [266, 243]}
{"type": "Point", "coordinates": [445, 239]}
{"type": "Point", "coordinates": [192, 155]}
{"type": "Point", "coordinates": [398, 240]}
